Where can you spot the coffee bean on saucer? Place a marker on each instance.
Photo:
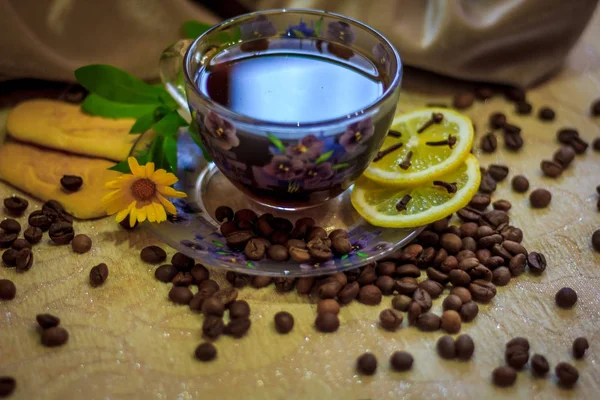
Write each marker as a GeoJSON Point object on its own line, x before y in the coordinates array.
{"type": "Point", "coordinates": [71, 183]}
{"type": "Point", "coordinates": [450, 321]}
{"type": "Point", "coordinates": [284, 322]}
{"type": "Point", "coordinates": [153, 255]}
{"type": "Point", "coordinates": [390, 319]}
{"type": "Point", "coordinates": [228, 228]}
{"type": "Point", "coordinates": [401, 361]}
{"type": "Point", "coordinates": [280, 237]}
{"type": "Point", "coordinates": [46, 321]}
{"type": "Point", "coordinates": [564, 156]}
{"type": "Point", "coordinates": [498, 172]}
{"type": "Point", "coordinates": [212, 327]}
{"type": "Point", "coordinates": [224, 214]}
{"type": "Point", "coordinates": [596, 240]}
{"type": "Point", "coordinates": [567, 374]}
{"type": "Point", "coordinates": [540, 198]}
{"type": "Point", "coordinates": [24, 260]}
{"type": "Point", "coordinates": [205, 352]}
{"type": "Point", "coordinates": [302, 227]}
{"type": "Point", "coordinates": [7, 239]}
{"type": "Point", "coordinates": [446, 347]}
{"type": "Point", "coordinates": [327, 322]}
{"type": "Point", "coordinates": [539, 365]}
{"type": "Point", "coordinates": [299, 255]}
{"type": "Point", "coordinates": [300, 244]}
{"type": "Point", "coordinates": [278, 253]}
{"type": "Point", "coordinates": [33, 234]}
{"type": "Point", "coordinates": [488, 143]}
{"type": "Point", "coordinates": [523, 108]}
{"type": "Point", "coordinates": [98, 275]}
{"type": "Point", "coordinates": [504, 376]}
{"type": "Point", "coordinates": [546, 114]}
{"type": "Point", "coordinates": [566, 298]}
{"type": "Point", "coordinates": [319, 250]}
{"type": "Point", "coordinates": [464, 347]}
{"type": "Point", "coordinates": [366, 364]}
{"type": "Point", "coordinates": [254, 250]}
{"type": "Point", "coordinates": [8, 290]}
{"type": "Point", "coordinates": [469, 311]}
{"type": "Point", "coordinates": [551, 169]}
{"type": "Point", "coordinates": [463, 100]}
{"type": "Point", "coordinates": [180, 295]}
{"type": "Point", "coordinates": [245, 214]}
{"type": "Point", "coordinates": [341, 233]}
{"type": "Point", "coordinates": [15, 205]}
{"type": "Point", "coordinates": [580, 346]}
{"type": "Point", "coordinates": [316, 232]}
{"type": "Point", "coordinates": [238, 239]}
{"type": "Point", "coordinates": [497, 120]}
{"type": "Point", "coordinates": [341, 245]}
{"type": "Point", "coordinates": [328, 305]}
{"type": "Point", "coordinates": [55, 336]}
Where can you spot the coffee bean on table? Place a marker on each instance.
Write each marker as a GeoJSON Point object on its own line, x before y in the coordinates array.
{"type": "Point", "coordinates": [580, 346]}
{"type": "Point", "coordinates": [463, 100]}
{"type": "Point", "coordinates": [401, 361]}
{"type": "Point", "coordinates": [15, 205]}
{"type": "Point", "coordinates": [502, 205]}
{"type": "Point", "coordinates": [328, 305]}
{"type": "Point", "coordinates": [564, 156]}
{"type": "Point", "coordinates": [386, 284]}
{"type": "Point", "coordinates": [24, 260]}
{"type": "Point", "coordinates": [482, 291]}
{"type": "Point", "coordinates": [523, 108]}
{"type": "Point", "coordinates": [8, 290]}
{"type": "Point", "coordinates": [450, 321]}
{"type": "Point", "coordinates": [9, 257]}
{"type": "Point", "coordinates": [536, 262]}
{"type": "Point", "coordinates": [513, 141]}
{"type": "Point", "coordinates": [428, 322]}
{"type": "Point", "coordinates": [546, 114]}
{"type": "Point", "coordinates": [400, 302]}
{"type": "Point", "coordinates": [516, 356]}
{"type": "Point", "coordinates": [20, 244]}
{"type": "Point", "coordinates": [206, 351]}
{"type": "Point", "coordinates": [469, 311]}
{"type": "Point", "coordinates": [81, 244]}
{"type": "Point", "coordinates": [520, 184]}
{"type": "Point", "coordinates": [451, 242]}
{"type": "Point", "coordinates": [498, 172]}
{"type": "Point", "coordinates": [462, 293]}
{"type": "Point", "coordinates": [46, 321]}
{"type": "Point", "coordinates": [54, 336]}
{"type": "Point", "coordinates": [33, 234]}
{"type": "Point", "coordinates": [349, 292]}
{"type": "Point", "coordinates": [540, 198]}
{"type": "Point", "coordinates": [165, 273]}
{"type": "Point", "coordinates": [423, 298]}
{"type": "Point", "coordinates": [329, 289]}
{"type": "Point", "coordinates": [213, 306]}
{"type": "Point", "coordinates": [182, 262]}
{"type": "Point", "coordinates": [567, 374]}
{"type": "Point", "coordinates": [488, 143]}
{"type": "Point", "coordinates": [180, 295]}
{"type": "Point", "coordinates": [366, 364]}
{"type": "Point", "coordinates": [504, 376]}
{"type": "Point", "coordinates": [551, 169]}
{"type": "Point", "coordinates": [237, 327]}
{"type": "Point", "coordinates": [596, 144]}
{"type": "Point", "coordinates": [7, 386]}
{"type": "Point", "coordinates": [479, 202]}
{"type": "Point", "coordinates": [566, 298]}
{"type": "Point", "coordinates": [98, 275]}
{"type": "Point", "coordinates": [209, 286]}
{"type": "Point", "coordinates": [413, 311]}
{"type": "Point", "coordinates": [40, 220]}
{"type": "Point", "coordinates": [71, 183]}
{"type": "Point", "coordinates": [278, 253]}
{"type": "Point", "coordinates": [212, 327]}
{"type": "Point", "coordinates": [224, 214]}
{"type": "Point", "coordinates": [199, 273]}
{"type": "Point", "coordinates": [596, 240]}
{"type": "Point", "coordinates": [10, 225]}
{"type": "Point", "coordinates": [497, 120]}
{"type": "Point", "coordinates": [7, 239]}
{"type": "Point", "coordinates": [305, 285]}
{"type": "Point", "coordinates": [451, 302]}
{"type": "Point", "coordinates": [327, 322]}
{"type": "Point", "coordinates": [432, 287]}
{"type": "Point", "coordinates": [446, 348]}
{"type": "Point", "coordinates": [283, 285]}
{"type": "Point", "coordinates": [579, 145]}
{"type": "Point", "coordinates": [464, 346]}
{"type": "Point", "coordinates": [153, 255]}
{"type": "Point", "coordinates": [483, 92]}
{"type": "Point", "coordinates": [284, 322]}
{"type": "Point", "coordinates": [390, 319]}
{"type": "Point", "coordinates": [488, 184]}
{"type": "Point", "coordinates": [370, 295]}
{"type": "Point", "coordinates": [182, 279]}
{"type": "Point", "coordinates": [539, 365]}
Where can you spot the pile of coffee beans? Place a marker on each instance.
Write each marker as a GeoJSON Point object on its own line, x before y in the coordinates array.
{"type": "Point", "coordinates": [53, 335]}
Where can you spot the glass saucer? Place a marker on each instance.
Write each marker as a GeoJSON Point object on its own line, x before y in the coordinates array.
{"type": "Point", "coordinates": [194, 231]}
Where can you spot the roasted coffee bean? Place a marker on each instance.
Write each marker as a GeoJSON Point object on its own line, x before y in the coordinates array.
{"type": "Point", "coordinates": [55, 336]}
{"type": "Point", "coordinates": [302, 227]}
{"type": "Point", "coordinates": [449, 264]}
{"type": "Point", "coordinates": [213, 306]}
{"type": "Point", "coordinates": [33, 234]}
{"type": "Point", "coordinates": [237, 327]}
{"type": "Point", "coordinates": [245, 214]}
{"type": "Point", "coordinates": [406, 285]}
{"type": "Point", "coordinates": [440, 225]}
{"type": "Point", "coordinates": [540, 198]}
{"type": "Point", "coordinates": [238, 239]}
{"type": "Point", "coordinates": [259, 282]}
{"type": "Point", "coordinates": [206, 351]}
{"type": "Point", "coordinates": [429, 238]}
{"type": "Point", "coordinates": [518, 342]}
{"type": "Point", "coordinates": [517, 264]}
{"type": "Point", "coordinates": [341, 245]}
{"type": "Point", "coordinates": [432, 287]}
{"type": "Point", "coordinates": [342, 233]}
{"type": "Point", "coordinates": [386, 268]}
{"type": "Point", "coordinates": [551, 169]}
{"type": "Point", "coordinates": [464, 347]}
{"type": "Point", "coordinates": [567, 135]}
{"type": "Point", "coordinates": [520, 184]}
{"type": "Point", "coordinates": [284, 322]}
{"type": "Point", "coordinates": [497, 120]}
{"type": "Point", "coordinates": [564, 156]}
{"type": "Point", "coordinates": [280, 237]}
{"type": "Point", "coordinates": [400, 302]}
{"type": "Point", "coordinates": [8, 290]}
{"type": "Point", "coordinates": [401, 361]}
{"type": "Point", "coordinates": [483, 255]}
{"type": "Point", "coordinates": [328, 305]}
{"type": "Point", "coordinates": [463, 255]}
{"type": "Point", "coordinates": [254, 250]}
{"type": "Point", "coordinates": [580, 346]}
{"type": "Point", "coordinates": [366, 364]}
{"type": "Point", "coordinates": [488, 184]}
{"type": "Point", "coordinates": [278, 253]}
{"type": "Point", "coordinates": [440, 256]}
{"type": "Point", "coordinates": [512, 233]}
{"type": "Point", "coordinates": [282, 224]}
{"type": "Point", "coordinates": [596, 144]}
{"type": "Point", "coordinates": [489, 241]}
{"type": "Point", "coordinates": [546, 114]}
{"type": "Point", "coordinates": [299, 255]}
{"type": "Point", "coordinates": [227, 228]}
{"type": "Point", "coordinates": [7, 239]}
{"type": "Point", "coordinates": [390, 319]}
{"type": "Point", "coordinates": [305, 285]}
{"type": "Point", "coordinates": [446, 348]}
{"type": "Point", "coordinates": [237, 280]}
{"type": "Point", "coordinates": [523, 108]}
{"type": "Point", "coordinates": [410, 253]}
{"type": "Point", "coordinates": [15, 205]}
{"type": "Point", "coordinates": [567, 374]}
{"type": "Point", "coordinates": [483, 231]}
{"type": "Point", "coordinates": [513, 141]}
{"type": "Point", "coordinates": [24, 260]}
{"type": "Point", "coordinates": [283, 285]}
{"type": "Point", "coordinates": [428, 322]}
{"type": "Point", "coordinates": [579, 145]}
{"type": "Point", "coordinates": [501, 276]}
{"type": "Point", "coordinates": [370, 295]}
{"type": "Point", "coordinates": [368, 276]}
{"type": "Point", "coordinates": [423, 298]}
{"type": "Point", "coordinates": [198, 300]}
{"type": "Point", "coordinates": [165, 273]}
{"type": "Point", "coordinates": [9, 257]}
{"type": "Point", "coordinates": [452, 302]}
{"type": "Point", "coordinates": [437, 276]}
{"type": "Point", "coordinates": [595, 108]}
{"type": "Point", "coordinates": [53, 207]}
{"type": "Point", "coordinates": [539, 365]}
{"type": "Point", "coordinates": [450, 321]}
{"type": "Point", "coordinates": [500, 256]}
{"type": "Point", "coordinates": [496, 218]}
{"type": "Point", "coordinates": [319, 250]}
{"type": "Point", "coordinates": [300, 244]}
{"type": "Point", "coordinates": [349, 292]}
{"type": "Point", "coordinates": [514, 94]}
{"type": "Point", "coordinates": [498, 172]}
{"type": "Point", "coordinates": [488, 143]}
{"type": "Point", "coordinates": [463, 293]}
{"type": "Point", "coordinates": [504, 376]}
{"type": "Point", "coordinates": [426, 258]}
{"type": "Point", "coordinates": [502, 205]}
{"type": "Point", "coordinates": [125, 224]}
{"type": "Point", "coordinates": [180, 295]}
{"type": "Point", "coordinates": [514, 248]}
{"type": "Point", "coordinates": [536, 262]}
{"type": "Point", "coordinates": [208, 286]}
{"type": "Point", "coordinates": [386, 284]}
{"type": "Point", "coordinates": [212, 327]}
{"type": "Point", "coordinates": [182, 262]}
{"type": "Point", "coordinates": [330, 289]}
{"type": "Point", "coordinates": [482, 291]}
{"type": "Point", "coordinates": [480, 201]}
{"type": "Point", "coordinates": [463, 100]}
{"type": "Point", "coordinates": [484, 92]}
{"type": "Point", "coordinates": [10, 225]}
{"type": "Point", "coordinates": [459, 278]}
{"type": "Point", "coordinates": [61, 233]}
{"type": "Point", "coordinates": [71, 183]}
{"type": "Point", "coordinates": [566, 298]}
{"type": "Point", "coordinates": [316, 232]}
{"type": "Point", "coordinates": [469, 214]}
{"type": "Point", "coordinates": [98, 275]}
{"type": "Point", "coordinates": [468, 243]}
{"type": "Point", "coordinates": [451, 242]}
{"type": "Point", "coordinates": [224, 214]}
{"type": "Point", "coordinates": [153, 255]}
{"type": "Point", "coordinates": [199, 273]}
{"type": "Point", "coordinates": [516, 357]}
{"type": "Point", "coordinates": [413, 311]}
{"type": "Point", "coordinates": [81, 244]}
{"type": "Point", "coordinates": [596, 240]}
{"type": "Point", "coordinates": [327, 322]}
{"type": "Point", "coordinates": [46, 321]}
{"type": "Point", "coordinates": [20, 244]}
{"type": "Point", "coordinates": [264, 226]}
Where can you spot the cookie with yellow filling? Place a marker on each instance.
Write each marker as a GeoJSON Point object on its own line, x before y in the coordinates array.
{"type": "Point", "coordinates": [64, 126]}
{"type": "Point", "coordinates": [38, 171]}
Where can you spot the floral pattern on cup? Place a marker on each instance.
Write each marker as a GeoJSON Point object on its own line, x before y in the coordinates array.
{"type": "Point", "coordinates": [309, 148]}
{"type": "Point", "coordinates": [315, 265]}
{"type": "Point", "coordinates": [356, 134]}
{"type": "Point", "coordinates": [301, 30]}
{"type": "Point", "coordinates": [258, 28]}
{"type": "Point", "coordinates": [222, 132]}
{"type": "Point", "coordinates": [341, 32]}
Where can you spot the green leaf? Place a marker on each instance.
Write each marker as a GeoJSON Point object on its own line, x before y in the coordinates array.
{"type": "Point", "coordinates": [236, 35]}
{"type": "Point", "coordinates": [298, 33]}
{"type": "Point", "coordinates": [117, 85]}
{"type": "Point", "coordinates": [123, 167]}
{"type": "Point", "coordinates": [324, 157]}
{"type": "Point", "coordinates": [318, 27]}
{"type": "Point", "coordinates": [96, 105]}
{"type": "Point", "coordinates": [250, 265]}
{"type": "Point", "coordinates": [193, 29]}
{"type": "Point", "coordinates": [361, 254]}
{"type": "Point", "coordinates": [340, 166]}
{"type": "Point", "coordinates": [170, 151]}
{"type": "Point", "coordinates": [146, 121]}
{"type": "Point", "coordinates": [196, 138]}
{"type": "Point", "coordinates": [276, 142]}
{"type": "Point", "coordinates": [169, 124]}
{"type": "Point", "coordinates": [166, 99]}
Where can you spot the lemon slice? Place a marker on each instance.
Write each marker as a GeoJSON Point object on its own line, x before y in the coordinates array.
{"type": "Point", "coordinates": [427, 203]}
{"type": "Point", "coordinates": [429, 157]}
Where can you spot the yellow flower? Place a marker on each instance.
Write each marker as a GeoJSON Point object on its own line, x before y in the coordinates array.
{"type": "Point", "coordinates": [142, 194]}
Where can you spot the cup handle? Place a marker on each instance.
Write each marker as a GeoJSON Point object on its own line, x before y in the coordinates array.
{"type": "Point", "coordinates": [171, 71]}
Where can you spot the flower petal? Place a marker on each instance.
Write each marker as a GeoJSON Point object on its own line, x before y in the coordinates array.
{"type": "Point", "coordinates": [170, 192]}
{"type": "Point", "coordinates": [149, 169]}
{"type": "Point", "coordinates": [169, 207]}
{"type": "Point", "coordinates": [141, 214]}
{"type": "Point", "coordinates": [150, 213]}
{"type": "Point", "coordinates": [123, 213]}
{"type": "Point", "coordinates": [161, 215]}
{"type": "Point", "coordinates": [135, 168]}
{"type": "Point", "coordinates": [120, 182]}
{"type": "Point", "coordinates": [132, 214]}
{"type": "Point", "coordinates": [162, 177]}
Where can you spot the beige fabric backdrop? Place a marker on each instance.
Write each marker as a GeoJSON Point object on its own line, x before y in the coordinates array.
{"type": "Point", "coordinates": [508, 41]}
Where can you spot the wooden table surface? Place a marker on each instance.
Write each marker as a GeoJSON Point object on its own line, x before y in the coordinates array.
{"type": "Point", "coordinates": [129, 342]}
